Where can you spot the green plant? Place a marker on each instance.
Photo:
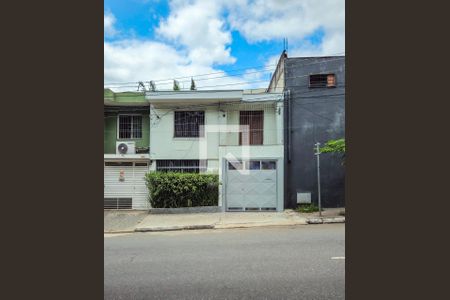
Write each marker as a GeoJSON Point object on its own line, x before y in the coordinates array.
{"type": "Point", "coordinates": [171, 190]}
{"type": "Point", "coordinates": [335, 146]}
{"type": "Point", "coordinates": [176, 85]}
{"type": "Point", "coordinates": [308, 208]}
{"type": "Point", "coordinates": [193, 87]}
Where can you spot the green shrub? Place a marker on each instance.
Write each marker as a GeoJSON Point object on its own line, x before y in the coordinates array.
{"type": "Point", "coordinates": [171, 190]}
{"type": "Point", "coordinates": [308, 208]}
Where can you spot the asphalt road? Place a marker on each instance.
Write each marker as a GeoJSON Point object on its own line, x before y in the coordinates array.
{"type": "Point", "coordinates": [296, 262]}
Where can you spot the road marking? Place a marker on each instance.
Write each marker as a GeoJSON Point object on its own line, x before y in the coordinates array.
{"type": "Point", "coordinates": [338, 257]}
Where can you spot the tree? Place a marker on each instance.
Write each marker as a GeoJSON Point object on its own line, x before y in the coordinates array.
{"type": "Point", "coordinates": [193, 87]}
{"type": "Point", "coordinates": [335, 146]}
{"type": "Point", "coordinates": [176, 85]}
{"type": "Point", "coordinates": [152, 86]}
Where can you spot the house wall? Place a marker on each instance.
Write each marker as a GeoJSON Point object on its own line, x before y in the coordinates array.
{"type": "Point", "coordinates": [164, 145]}
{"type": "Point", "coordinates": [313, 115]}
{"type": "Point", "coordinates": [110, 133]}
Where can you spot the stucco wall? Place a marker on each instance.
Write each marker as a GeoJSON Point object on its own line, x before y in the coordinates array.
{"type": "Point", "coordinates": [110, 133]}
{"type": "Point", "coordinates": [313, 115]}
{"type": "Point", "coordinates": [164, 145]}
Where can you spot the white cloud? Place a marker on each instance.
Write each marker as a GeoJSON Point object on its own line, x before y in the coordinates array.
{"type": "Point", "coordinates": [108, 24]}
{"type": "Point", "coordinates": [136, 60]}
{"type": "Point", "coordinates": [196, 36]}
{"type": "Point", "coordinates": [199, 27]}
{"type": "Point", "coordinates": [264, 20]}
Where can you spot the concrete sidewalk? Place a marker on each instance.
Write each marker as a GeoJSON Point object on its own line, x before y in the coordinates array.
{"type": "Point", "coordinates": [117, 222]}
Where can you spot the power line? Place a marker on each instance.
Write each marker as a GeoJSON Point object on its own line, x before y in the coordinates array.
{"type": "Point", "coordinates": [169, 92]}
{"type": "Point", "coordinates": [198, 75]}
{"type": "Point", "coordinates": [221, 72]}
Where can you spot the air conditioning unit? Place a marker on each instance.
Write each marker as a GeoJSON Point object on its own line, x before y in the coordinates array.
{"type": "Point", "coordinates": [125, 148]}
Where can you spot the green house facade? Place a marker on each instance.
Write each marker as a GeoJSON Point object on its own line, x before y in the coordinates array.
{"type": "Point", "coordinates": [126, 149]}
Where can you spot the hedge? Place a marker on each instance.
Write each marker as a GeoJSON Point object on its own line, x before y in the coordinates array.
{"type": "Point", "coordinates": [172, 190]}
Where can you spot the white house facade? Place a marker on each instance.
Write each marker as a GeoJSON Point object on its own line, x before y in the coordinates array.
{"type": "Point", "coordinates": [232, 133]}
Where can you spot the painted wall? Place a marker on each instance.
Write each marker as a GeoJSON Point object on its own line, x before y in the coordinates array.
{"type": "Point", "coordinates": [313, 115]}
{"type": "Point", "coordinates": [110, 133]}
{"type": "Point", "coordinates": [164, 145]}
{"type": "Point", "coordinates": [111, 112]}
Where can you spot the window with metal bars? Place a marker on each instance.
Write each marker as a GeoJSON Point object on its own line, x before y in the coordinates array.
{"type": "Point", "coordinates": [117, 203]}
{"type": "Point", "coordinates": [322, 80]}
{"type": "Point", "coordinates": [130, 127]}
{"type": "Point", "coordinates": [181, 165]}
{"type": "Point", "coordinates": [252, 127]}
{"type": "Point", "coordinates": [189, 123]}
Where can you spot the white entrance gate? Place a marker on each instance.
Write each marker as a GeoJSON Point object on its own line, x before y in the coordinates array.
{"type": "Point", "coordinates": [253, 189]}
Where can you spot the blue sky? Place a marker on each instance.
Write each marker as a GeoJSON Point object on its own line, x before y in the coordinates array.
{"type": "Point", "coordinates": [153, 40]}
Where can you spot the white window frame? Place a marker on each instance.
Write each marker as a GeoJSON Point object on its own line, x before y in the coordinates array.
{"type": "Point", "coordinates": [132, 138]}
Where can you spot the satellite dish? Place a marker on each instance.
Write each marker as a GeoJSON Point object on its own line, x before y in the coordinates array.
{"type": "Point", "coordinates": [123, 148]}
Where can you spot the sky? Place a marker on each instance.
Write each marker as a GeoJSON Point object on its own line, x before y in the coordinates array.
{"type": "Point", "coordinates": [222, 44]}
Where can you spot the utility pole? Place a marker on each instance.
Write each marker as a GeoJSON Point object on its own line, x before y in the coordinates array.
{"type": "Point", "coordinates": [317, 154]}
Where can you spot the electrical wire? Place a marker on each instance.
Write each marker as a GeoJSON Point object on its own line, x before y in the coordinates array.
{"type": "Point", "coordinates": [119, 84]}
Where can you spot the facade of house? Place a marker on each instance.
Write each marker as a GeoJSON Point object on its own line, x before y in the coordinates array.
{"type": "Point", "coordinates": [126, 150]}
{"type": "Point", "coordinates": [227, 132]}
{"type": "Point", "coordinates": [314, 93]}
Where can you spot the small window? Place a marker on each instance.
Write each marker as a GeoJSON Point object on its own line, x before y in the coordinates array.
{"type": "Point", "coordinates": [189, 123]}
{"type": "Point", "coordinates": [322, 80]}
{"type": "Point", "coordinates": [141, 164]}
{"type": "Point", "coordinates": [130, 127]}
{"type": "Point", "coordinates": [235, 165]}
{"type": "Point", "coordinates": [118, 164]}
{"type": "Point", "coordinates": [254, 165]}
{"type": "Point", "coordinates": [268, 165]}
{"type": "Point", "coordinates": [181, 165]}
{"type": "Point", "coordinates": [117, 203]}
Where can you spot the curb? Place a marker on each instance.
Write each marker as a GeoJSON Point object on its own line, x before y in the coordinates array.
{"type": "Point", "coordinates": [173, 228]}
{"type": "Point", "coordinates": [257, 224]}
{"type": "Point", "coordinates": [231, 226]}
{"type": "Point", "coordinates": [325, 220]}
{"type": "Point", "coordinates": [118, 231]}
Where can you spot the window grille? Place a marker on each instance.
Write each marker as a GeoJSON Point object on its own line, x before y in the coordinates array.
{"type": "Point", "coordinates": [181, 166]}
{"type": "Point", "coordinates": [252, 126]}
{"type": "Point", "coordinates": [117, 203]}
{"type": "Point", "coordinates": [189, 123]}
{"type": "Point", "coordinates": [130, 127]}
{"type": "Point", "coordinates": [322, 80]}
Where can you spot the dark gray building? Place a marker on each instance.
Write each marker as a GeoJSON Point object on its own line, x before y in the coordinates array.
{"type": "Point", "coordinates": [314, 105]}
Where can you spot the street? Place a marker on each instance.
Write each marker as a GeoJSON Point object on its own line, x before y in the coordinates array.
{"type": "Point", "coordinates": [297, 262]}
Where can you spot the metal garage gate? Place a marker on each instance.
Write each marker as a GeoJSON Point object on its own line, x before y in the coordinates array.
{"type": "Point", "coordinates": [251, 185]}
{"type": "Point", "coordinates": [124, 185]}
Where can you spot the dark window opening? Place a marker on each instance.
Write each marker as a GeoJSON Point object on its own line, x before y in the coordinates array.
{"type": "Point", "coordinates": [235, 165]}
{"type": "Point", "coordinates": [181, 165]}
{"type": "Point", "coordinates": [322, 80]}
{"type": "Point", "coordinates": [254, 165]}
{"type": "Point", "coordinates": [268, 165]}
{"type": "Point", "coordinates": [130, 127]}
{"type": "Point", "coordinates": [189, 123]}
{"type": "Point", "coordinates": [252, 126]}
{"type": "Point", "coordinates": [118, 164]}
{"type": "Point", "coordinates": [117, 203]}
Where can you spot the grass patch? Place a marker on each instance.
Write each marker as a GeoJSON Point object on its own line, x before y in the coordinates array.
{"type": "Point", "coordinates": [308, 208]}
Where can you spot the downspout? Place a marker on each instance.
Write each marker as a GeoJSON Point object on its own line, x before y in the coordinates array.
{"type": "Point", "coordinates": [289, 124]}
